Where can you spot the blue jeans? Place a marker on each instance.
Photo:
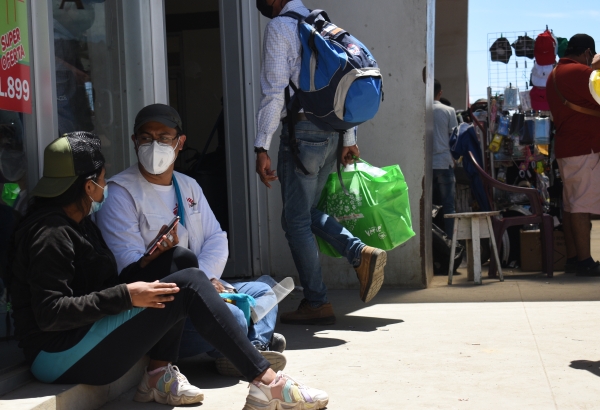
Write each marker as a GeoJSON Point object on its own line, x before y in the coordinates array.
{"type": "Point", "coordinates": [193, 344]}
{"type": "Point", "coordinates": [300, 218]}
{"type": "Point", "coordinates": [444, 189]}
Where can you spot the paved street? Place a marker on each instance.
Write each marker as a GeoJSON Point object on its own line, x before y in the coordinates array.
{"type": "Point", "coordinates": [528, 343]}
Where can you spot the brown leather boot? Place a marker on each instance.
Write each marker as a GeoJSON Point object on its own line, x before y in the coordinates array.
{"type": "Point", "coordinates": [370, 272]}
{"type": "Point", "coordinates": [307, 315]}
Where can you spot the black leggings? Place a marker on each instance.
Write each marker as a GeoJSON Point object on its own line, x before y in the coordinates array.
{"type": "Point", "coordinates": [119, 341]}
{"type": "Point", "coordinates": [171, 261]}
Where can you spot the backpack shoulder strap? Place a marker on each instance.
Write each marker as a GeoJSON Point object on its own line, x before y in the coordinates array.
{"type": "Point", "coordinates": [293, 15]}
{"type": "Point", "coordinates": [572, 106]}
{"type": "Point", "coordinates": [313, 19]}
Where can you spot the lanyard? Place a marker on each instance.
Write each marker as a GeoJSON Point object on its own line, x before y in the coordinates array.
{"type": "Point", "coordinates": [180, 203]}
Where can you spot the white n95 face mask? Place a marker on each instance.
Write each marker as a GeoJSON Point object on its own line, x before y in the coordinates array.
{"type": "Point", "coordinates": [156, 158]}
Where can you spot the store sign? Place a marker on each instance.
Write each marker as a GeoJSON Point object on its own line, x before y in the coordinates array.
{"type": "Point", "coordinates": [15, 73]}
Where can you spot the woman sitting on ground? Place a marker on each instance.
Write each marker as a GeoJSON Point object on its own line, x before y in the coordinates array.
{"type": "Point", "coordinates": [77, 324]}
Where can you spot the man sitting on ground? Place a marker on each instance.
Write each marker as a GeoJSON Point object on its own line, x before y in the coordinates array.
{"type": "Point", "coordinates": [145, 197]}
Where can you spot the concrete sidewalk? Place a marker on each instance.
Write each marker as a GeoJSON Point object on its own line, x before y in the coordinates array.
{"type": "Point", "coordinates": [528, 343]}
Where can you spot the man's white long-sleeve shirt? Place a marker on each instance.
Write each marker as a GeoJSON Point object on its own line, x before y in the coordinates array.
{"type": "Point", "coordinates": [122, 225]}
{"type": "Point", "coordinates": [281, 61]}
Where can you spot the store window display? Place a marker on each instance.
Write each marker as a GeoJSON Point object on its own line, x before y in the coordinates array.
{"type": "Point", "coordinates": [89, 74]}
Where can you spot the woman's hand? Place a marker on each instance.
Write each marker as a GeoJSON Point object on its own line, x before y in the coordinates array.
{"type": "Point", "coordinates": [168, 241]}
{"type": "Point", "coordinates": [151, 295]}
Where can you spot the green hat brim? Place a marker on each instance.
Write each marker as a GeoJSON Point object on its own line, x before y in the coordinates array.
{"type": "Point", "coordinates": [48, 187]}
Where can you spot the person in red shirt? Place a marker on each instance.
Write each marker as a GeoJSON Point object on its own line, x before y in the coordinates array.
{"type": "Point", "coordinates": [577, 149]}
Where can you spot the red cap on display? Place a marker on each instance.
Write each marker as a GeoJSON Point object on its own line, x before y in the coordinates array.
{"type": "Point", "coordinates": [538, 99]}
{"type": "Point", "coordinates": [545, 49]}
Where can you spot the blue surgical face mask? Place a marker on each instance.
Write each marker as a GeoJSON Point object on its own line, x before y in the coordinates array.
{"type": "Point", "coordinates": [97, 205]}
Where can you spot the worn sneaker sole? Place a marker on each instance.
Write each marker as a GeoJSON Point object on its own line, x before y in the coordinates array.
{"type": "Point", "coordinates": [252, 403]}
{"type": "Point", "coordinates": [376, 265]}
{"type": "Point", "coordinates": [226, 368]}
{"type": "Point", "coordinates": [166, 398]}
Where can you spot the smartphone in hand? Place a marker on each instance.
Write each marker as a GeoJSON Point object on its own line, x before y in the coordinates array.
{"type": "Point", "coordinates": [164, 231]}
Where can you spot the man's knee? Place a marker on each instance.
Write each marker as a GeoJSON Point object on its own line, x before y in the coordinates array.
{"type": "Point", "coordinates": [268, 280]}
{"type": "Point", "coordinates": [190, 277]}
{"type": "Point", "coordinates": [239, 317]}
{"type": "Point", "coordinates": [256, 289]}
{"type": "Point", "coordinates": [184, 258]}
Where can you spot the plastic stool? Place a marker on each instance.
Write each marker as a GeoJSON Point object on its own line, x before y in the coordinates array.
{"type": "Point", "coordinates": [473, 226]}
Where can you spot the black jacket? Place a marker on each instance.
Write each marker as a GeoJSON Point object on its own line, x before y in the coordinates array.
{"type": "Point", "coordinates": [64, 278]}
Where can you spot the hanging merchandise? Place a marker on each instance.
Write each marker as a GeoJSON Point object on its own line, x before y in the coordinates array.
{"type": "Point", "coordinates": [496, 143]}
{"type": "Point", "coordinates": [511, 98]}
{"type": "Point", "coordinates": [503, 125]}
{"type": "Point", "coordinates": [528, 131]}
{"type": "Point", "coordinates": [518, 149]}
{"type": "Point", "coordinates": [542, 131]}
{"type": "Point", "coordinates": [540, 73]}
{"type": "Point", "coordinates": [538, 99]}
{"type": "Point", "coordinates": [525, 100]}
{"type": "Point", "coordinates": [595, 85]}
{"type": "Point", "coordinates": [545, 48]}
{"type": "Point", "coordinates": [516, 125]}
{"type": "Point", "coordinates": [501, 50]}
{"type": "Point", "coordinates": [562, 46]}
{"type": "Point", "coordinates": [555, 43]}
{"type": "Point", "coordinates": [501, 176]}
{"type": "Point", "coordinates": [524, 46]}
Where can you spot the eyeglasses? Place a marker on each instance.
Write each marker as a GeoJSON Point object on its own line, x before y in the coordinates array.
{"type": "Point", "coordinates": [162, 140]}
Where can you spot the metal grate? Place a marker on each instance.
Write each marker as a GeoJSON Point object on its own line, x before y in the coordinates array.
{"type": "Point", "coordinates": [518, 69]}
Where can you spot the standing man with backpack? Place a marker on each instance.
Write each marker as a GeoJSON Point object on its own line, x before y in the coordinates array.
{"type": "Point", "coordinates": [315, 150]}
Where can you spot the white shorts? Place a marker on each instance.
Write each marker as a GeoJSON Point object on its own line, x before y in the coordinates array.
{"type": "Point", "coordinates": [581, 183]}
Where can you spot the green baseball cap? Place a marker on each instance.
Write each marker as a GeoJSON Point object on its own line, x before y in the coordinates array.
{"type": "Point", "coordinates": [65, 159]}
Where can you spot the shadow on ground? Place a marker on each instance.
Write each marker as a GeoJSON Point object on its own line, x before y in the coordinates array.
{"type": "Point", "coordinates": [306, 337]}
{"type": "Point", "coordinates": [592, 367]}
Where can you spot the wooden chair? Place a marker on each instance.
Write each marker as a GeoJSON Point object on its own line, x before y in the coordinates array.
{"type": "Point", "coordinates": [538, 216]}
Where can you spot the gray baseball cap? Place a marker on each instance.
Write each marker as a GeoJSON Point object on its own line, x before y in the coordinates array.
{"type": "Point", "coordinates": [160, 113]}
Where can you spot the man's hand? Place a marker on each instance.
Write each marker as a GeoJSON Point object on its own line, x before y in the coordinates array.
{"type": "Point", "coordinates": [348, 154]}
{"type": "Point", "coordinates": [263, 169]}
{"type": "Point", "coordinates": [596, 62]}
{"type": "Point", "coordinates": [151, 295]}
{"type": "Point", "coordinates": [168, 241]}
{"type": "Point", "coordinates": [218, 285]}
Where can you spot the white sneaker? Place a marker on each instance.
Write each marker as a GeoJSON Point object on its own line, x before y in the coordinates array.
{"type": "Point", "coordinates": [284, 393]}
{"type": "Point", "coordinates": [166, 385]}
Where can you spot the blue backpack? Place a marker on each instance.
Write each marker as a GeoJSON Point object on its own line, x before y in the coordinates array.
{"type": "Point", "coordinates": [340, 83]}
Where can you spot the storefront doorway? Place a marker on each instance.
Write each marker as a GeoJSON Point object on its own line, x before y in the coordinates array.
{"type": "Point", "coordinates": [196, 91]}
{"type": "Point", "coordinates": [205, 85]}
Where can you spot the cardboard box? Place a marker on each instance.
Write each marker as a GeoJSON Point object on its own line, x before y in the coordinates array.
{"type": "Point", "coordinates": [531, 251]}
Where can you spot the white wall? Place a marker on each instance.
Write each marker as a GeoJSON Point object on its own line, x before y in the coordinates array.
{"type": "Point", "coordinates": [397, 34]}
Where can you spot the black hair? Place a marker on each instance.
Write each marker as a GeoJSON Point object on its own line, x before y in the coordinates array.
{"type": "Point", "coordinates": [437, 87]}
{"type": "Point", "coordinates": [75, 194]}
{"type": "Point", "coordinates": [445, 101]}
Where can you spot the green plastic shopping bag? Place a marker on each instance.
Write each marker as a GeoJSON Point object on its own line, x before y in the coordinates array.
{"type": "Point", "coordinates": [377, 210]}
